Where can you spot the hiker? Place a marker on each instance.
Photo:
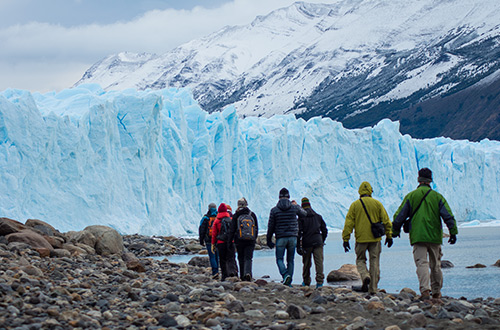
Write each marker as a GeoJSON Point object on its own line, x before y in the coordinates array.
{"type": "Point", "coordinates": [205, 233]}
{"type": "Point", "coordinates": [244, 230]}
{"type": "Point", "coordinates": [284, 224]}
{"type": "Point", "coordinates": [221, 242]}
{"type": "Point", "coordinates": [363, 214]}
{"type": "Point", "coordinates": [424, 208]}
{"type": "Point", "coordinates": [232, 267]}
{"type": "Point", "coordinates": [311, 238]}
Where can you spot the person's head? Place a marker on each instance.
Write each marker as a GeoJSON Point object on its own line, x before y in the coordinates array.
{"type": "Point", "coordinates": [425, 175]}
{"type": "Point", "coordinates": [212, 206]}
{"type": "Point", "coordinates": [222, 208]}
{"type": "Point", "coordinates": [365, 189]}
{"type": "Point", "coordinates": [242, 202]}
{"type": "Point", "coordinates": [284, 193]}
{"type": "Point", "coordinates": [305, 203]}
{"type": "Point", "coordinates": [228, 207]}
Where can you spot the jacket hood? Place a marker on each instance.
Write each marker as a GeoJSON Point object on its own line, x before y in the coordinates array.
{"type": "Point", "coordinates": [284, 204]}
{"type": "Point", "coordinates": [365, 189]}
{"type": "Point", "coordinates": [212, 212]}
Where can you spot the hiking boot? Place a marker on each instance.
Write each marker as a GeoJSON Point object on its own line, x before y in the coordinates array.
{"type": "Point", "coordinates": [366, 283]}
{"type": "Point", "coordinates": [436, 295]}
{"type": "Point", "coordinates": [426, 295]}
{"type": "Point", "coordinates": [215, 276]}
{"type": "Point", "coordinates": [247, 278]}
{"type": "Point", "coordinates": [319, 285]}
{"type": "Point", "coordinates": [304, 284]}
{"type": "Point", "coordinates": [287, 280]}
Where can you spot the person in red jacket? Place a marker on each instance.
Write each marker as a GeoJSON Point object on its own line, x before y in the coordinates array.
{"type": "Point", "coordinates": [225, 247]}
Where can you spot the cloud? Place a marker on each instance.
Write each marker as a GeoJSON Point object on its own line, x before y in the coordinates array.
{"type": "Point", "coordinates": [38, 49]}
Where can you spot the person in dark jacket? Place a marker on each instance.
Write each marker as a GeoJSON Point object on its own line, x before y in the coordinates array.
{"type": "Point", "coordinates": [244, 246]}
{"type": "Point", "coordinates": [205, 236]}
{"type": "Point", "coordinates": [312, 236]}
{"type": "Point", "coordinates": [425, 208]}
{"type": "Point", "coordinates": [284, 224]}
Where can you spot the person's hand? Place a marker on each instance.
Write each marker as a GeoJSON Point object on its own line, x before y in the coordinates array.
{"type": "Point", "coordinates": [453, 239]}
{"type": "Point", "coordinates": [388, 242]}
{"type": "Point", "coordinates": [213, 248]}
{"type": "Point", "coordinates": [294, 202]}
{"type": "Point", "coordinates": [202, 242]}
{"type": "Point", "coordinates": [395, 234]}
{"type": "Point", "coordinates": [347, 247]}
{"type": "Point", "coordinates": [270, 245]}
{"type": "Point", "coordinates": [300, 251]}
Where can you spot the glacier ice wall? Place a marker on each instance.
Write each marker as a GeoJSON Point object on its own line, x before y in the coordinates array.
{"type": "Point", "coordinates": [151, 161]}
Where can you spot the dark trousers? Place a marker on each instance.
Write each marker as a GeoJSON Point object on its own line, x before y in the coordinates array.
{"type": "Point", "coordinates": [310, 253]}
{"type": "Point", "coordinates": [245, 257]}
{"type": "Point", "coordinates": [227, 260]}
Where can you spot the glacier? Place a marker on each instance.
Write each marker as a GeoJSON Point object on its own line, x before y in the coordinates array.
{"type": "Point", "coordinates": [151, 161]}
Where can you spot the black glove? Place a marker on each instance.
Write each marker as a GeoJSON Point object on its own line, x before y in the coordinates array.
{"type": "Point", "coordinates": [270, 245]}
{"type": "Point", "coordinates": [388, 242]}
{"type": "Point", "coordinates": [395, 234]}
{"type": "Point", "coordinates": [453, 239]}
{"type": "Point", "coordinates": [347, 247]}
{"type": "Point", "coordinates": [202, 242]}
{"type": "Point", "coordinates": [300, 251]}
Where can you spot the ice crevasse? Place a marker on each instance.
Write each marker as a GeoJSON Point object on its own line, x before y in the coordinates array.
{"type": "Point", "coordinates": [150, 162]}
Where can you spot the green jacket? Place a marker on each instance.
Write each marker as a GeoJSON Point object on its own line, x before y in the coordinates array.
{"type": "Point", "coordinates": [356, 217]}
{"type": "Point", "coordinates": [426, 225]}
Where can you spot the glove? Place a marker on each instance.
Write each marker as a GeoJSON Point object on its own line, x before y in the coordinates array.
{"type": "Point", "coordinates": [347, 247]}
{"type": "Point", "coordinates": [388, 242]}
{"type": "Point", "coordinates": [395, 234]}
{"type": "Point", "coordinates": [270, 245]}
{"type": "Point", "coordinates": [300, 251]}
{"type": "Point", "coordinates": [213, 248]}
{"type": "Point", "coordinates": [453, 239]}
{"type": "Point", "coordinates": [202, 242]}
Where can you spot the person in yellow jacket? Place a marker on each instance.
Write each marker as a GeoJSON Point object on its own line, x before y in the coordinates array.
{"type": "Point", "coordinates": [357, 218]}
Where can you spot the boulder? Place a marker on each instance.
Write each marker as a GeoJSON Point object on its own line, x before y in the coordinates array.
{"type": "Point", "coordinates": [447, 264]}
{"type": "Point", "coordinates": [199, 262]}
{"type": "Point", "coordinates": [477, 266]}
{"type": "Point", "coordinates": [60, 253]}
{"type": "Point", "coordinates": [83, 237]}
{"type": "Point", "coordinates": [9, 226]}
{"type": "Point", "coordinates": [56, 242]}
{"type": "Point", "coordinates": [347, 272]}
{"type": "Point", "coordinates": [34, 240]}
{"type": "Point", "coordinates": [497, 264]}
{"type": "Point", "coordinates": [108, 240]}
{"type": "Point", "coordinates": [73, 249]}
{"type": "Point", "coordinates": [41, 227]}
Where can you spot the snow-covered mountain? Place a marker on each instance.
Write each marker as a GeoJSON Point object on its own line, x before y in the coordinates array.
{"type": "Point", "coordinates": [151, 161]}
{"type": "Point", "coordinates": [356, 61]}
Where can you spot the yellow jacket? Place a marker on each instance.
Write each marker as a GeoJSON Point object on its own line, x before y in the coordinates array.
{"type": "Point", "coordinates": [356, 217]}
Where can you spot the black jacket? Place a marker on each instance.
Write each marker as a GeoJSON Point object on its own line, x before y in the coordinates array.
{"type": "Point", "coordinates": [234, 224]}
{"type": "Point", "coordinates": [312, 229]}
{"type": "Point", "coordinates": [283, 219]}
{"type": "Point", "coordinates": [203, 230]}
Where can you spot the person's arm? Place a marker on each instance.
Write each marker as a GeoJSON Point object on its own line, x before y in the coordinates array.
{"type": "Point", "coordinates": [385, 220]}
{"type": "Point", "coordinates": [447, 216]}
{"type": "Point", "coordinates": [349, 224]}
{"type": "Point", "coordinates": [202, 230]}
{"type": "Point", "coordinates": [323, 229]}
{"type": "Point", "coordinates": [403, 212]}
{"type": "Point", "coordinates": [270, 230]}
{"type": "Point", "coordinates": [215, 230]}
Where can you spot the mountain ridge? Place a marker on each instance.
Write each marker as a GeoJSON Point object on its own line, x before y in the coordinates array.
{"type": "Point", "coordinates": [356, 62]}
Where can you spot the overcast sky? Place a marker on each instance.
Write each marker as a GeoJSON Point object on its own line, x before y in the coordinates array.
{"type": "Point", "coordinates": [47, 45]}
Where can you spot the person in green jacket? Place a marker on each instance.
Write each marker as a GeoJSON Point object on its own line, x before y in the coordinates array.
{"type": "Point", "coordinates": [358, 220]}
{"type": "Point", "coordinates": [425, 208]}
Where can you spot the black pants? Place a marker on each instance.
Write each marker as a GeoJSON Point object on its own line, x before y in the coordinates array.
{"type": "Point", "coordinates": [227, 260]}
{"type": "Point", "coordinates": [245, 257]}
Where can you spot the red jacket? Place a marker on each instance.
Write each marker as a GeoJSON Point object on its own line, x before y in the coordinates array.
{"type": "Point", "coordinates": [216, 227]}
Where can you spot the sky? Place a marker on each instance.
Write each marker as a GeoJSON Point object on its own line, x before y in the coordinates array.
{"type": "Point", "coordinates": [47, 45]}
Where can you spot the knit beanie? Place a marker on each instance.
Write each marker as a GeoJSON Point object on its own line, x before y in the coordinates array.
{"type": "Point", "coordinates": [305, 203]}
{"type": "Point", "coordinates": [242, 202]}
{"type": "Point", "coordinates": [212, 206]}
{"type": "Point", "coordinates": [284, 193]}
{"type": "Point", "coordinates": [228, 207]}
{"type": "Point", "coordinates": [222, 208]}
{"type": "Point", "coordinates": [425, 175]}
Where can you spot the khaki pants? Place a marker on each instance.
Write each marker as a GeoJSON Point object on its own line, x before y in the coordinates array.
{"type": "Point", "coordinates": [435, 279]}
{"type": "Point", "coordinates": [374, 249]}
{"type": "Point", "coordinates": [317, 254]}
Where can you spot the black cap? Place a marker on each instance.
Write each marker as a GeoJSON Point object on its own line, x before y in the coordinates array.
{"type": "Point", "coordinates": [284, 193]}
{"type": "Point", "coordinates": [425, 175]}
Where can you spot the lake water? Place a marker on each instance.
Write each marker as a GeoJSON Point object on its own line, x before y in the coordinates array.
{"type": "Point", "coordinates": [397, 268]}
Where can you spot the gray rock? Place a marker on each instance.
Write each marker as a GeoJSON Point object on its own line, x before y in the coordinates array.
{"type": "Point", "coordinates": [418, 320]}
{"type": "Point", "coordinates": [344, 273]}
{"type": "Point", "coordinates": [447, 264]}
{"type": "Point", "coordinates": [236, 306]}
{"type": "Point", "coordinates": [296, 312]}
{"type": "Point", "coordinates": [108, 240]}
{"type": "Point", "coordinates": [444, 314]}
{"type": "Point", "coordinates": [199, 262]}
{"type": "Point", "coordinates": [319, 300]}
{"type": "Point", "coordinates": [166, 320]}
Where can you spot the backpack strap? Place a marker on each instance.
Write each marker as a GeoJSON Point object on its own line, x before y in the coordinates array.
{"type": "Point", "coordinates": [421, 201]}
{"type": "Point", "coordinates": [369, 219]}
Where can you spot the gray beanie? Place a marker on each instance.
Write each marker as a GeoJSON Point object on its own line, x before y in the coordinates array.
{"type": "Point", "coordinates": [242, 202]}
{"type": "Point", "coordinates": [212, 206]}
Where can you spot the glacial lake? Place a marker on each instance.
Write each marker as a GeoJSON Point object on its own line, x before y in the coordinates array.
{"type": "Point", "coordinates": [397, 268]}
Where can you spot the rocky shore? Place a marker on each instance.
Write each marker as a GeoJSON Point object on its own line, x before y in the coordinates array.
{"type": "Point", "coordinates": [98, 279]}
